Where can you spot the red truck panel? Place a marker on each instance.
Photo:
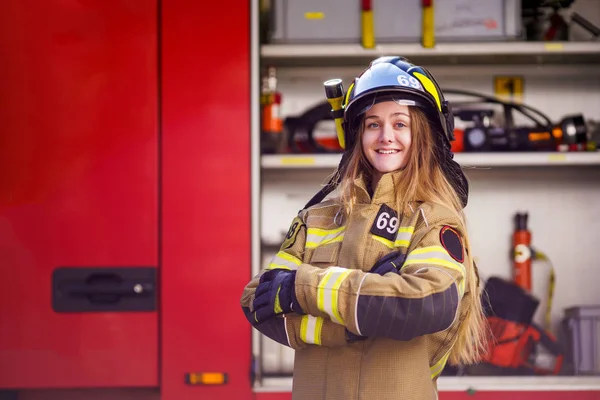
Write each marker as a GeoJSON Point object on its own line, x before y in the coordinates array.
{"type": "Point", "coordinates": [78, 173]}
{"type": "Point", "coordinates": [205, 196]}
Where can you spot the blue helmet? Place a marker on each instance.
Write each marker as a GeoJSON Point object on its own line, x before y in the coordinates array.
{"type": "Point", "coordinates": [395, 78]}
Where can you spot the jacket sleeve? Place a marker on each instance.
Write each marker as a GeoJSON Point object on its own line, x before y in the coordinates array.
{"type": "Point", "coordinates": [422, 299]}
{"type": "Point", "coordinates": [293, 330]}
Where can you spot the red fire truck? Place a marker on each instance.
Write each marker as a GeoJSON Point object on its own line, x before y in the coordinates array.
{"type": "Point", "coordinates": [125, 223]}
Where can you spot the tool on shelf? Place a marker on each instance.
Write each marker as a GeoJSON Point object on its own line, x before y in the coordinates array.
{"type": "Point", "coordinates": [483, 135]}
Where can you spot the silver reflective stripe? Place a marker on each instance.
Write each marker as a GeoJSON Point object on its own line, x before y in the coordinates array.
{"type": "Point", "coordinates": [327, 292]}
{"type": "Point", "coordinates": [404, 235]}
{"type": "Point", "coordinates": [310, 329]}
{"type": "Point", "coordinates": [435, 255]}
{"type": "Point", "coordinates": [438, 367]}
{"type": "Point", "coordinates": [402, 239]}
{"type": "Point", "coordinates": [317, 237]}
{"type": "Point", "coordinates": [285, 261]}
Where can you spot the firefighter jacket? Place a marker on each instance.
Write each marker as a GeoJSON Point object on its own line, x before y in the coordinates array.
{"type": "Point", "coordinates": [410, 320]}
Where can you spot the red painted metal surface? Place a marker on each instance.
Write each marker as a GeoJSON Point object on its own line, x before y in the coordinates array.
{"type": "Point", "coordinates": [205, 196]}
{"type": "Point", "coordinates": [78, 175]}
{"type": "Point", "coordinates": [91, 394]}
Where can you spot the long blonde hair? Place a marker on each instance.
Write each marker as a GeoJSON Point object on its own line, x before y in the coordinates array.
{"type": "Point", "coordinates": [426, 181]}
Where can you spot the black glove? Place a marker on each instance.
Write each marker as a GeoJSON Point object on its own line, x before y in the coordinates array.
{"type": "Point", "coordinates": [275, 295]}
{"type": "Point", "coordinates": [352, 337]}
{"type": "Point", "coordinates": [390, 263]}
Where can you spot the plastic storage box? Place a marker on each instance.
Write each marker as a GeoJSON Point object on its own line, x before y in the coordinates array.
{"type": "Point", "coordinates": [339, 21]}
{"type": "Point", "coordinates": [583, 324]}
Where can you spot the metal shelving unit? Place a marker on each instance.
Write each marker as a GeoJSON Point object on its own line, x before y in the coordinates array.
{"type": "Point", "coordinates": [482, 383]}
{"type": "Point", "coordinates": [480, 160]}
{"type": "Point", "coordinates": [306, 62]}
{"type": "Point", "coordinates": [480, 53]}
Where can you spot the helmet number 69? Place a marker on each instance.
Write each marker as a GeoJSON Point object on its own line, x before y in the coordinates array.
{"type": "Point", "coordinates": [410, 81]}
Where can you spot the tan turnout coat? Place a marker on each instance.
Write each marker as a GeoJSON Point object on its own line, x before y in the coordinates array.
{"type": "Point", "coordinates": [410, 319]}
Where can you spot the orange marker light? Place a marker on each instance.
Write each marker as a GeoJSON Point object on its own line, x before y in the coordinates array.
{"type": "Point", "coordinates": [206, 378]}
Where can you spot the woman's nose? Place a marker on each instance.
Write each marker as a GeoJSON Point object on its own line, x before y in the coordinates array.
{"type": "Point", "coordinates": [387, 133]}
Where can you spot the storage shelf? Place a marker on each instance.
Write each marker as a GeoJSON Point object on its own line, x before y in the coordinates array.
{"type": "Point", "coordinates": [480, 160]}
{"type": "Point", "coordinates": [444, 53]}
{"type": "Point", "coordinates": [481, 383]}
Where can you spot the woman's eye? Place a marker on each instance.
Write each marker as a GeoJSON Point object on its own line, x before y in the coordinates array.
{"type": "Point", "coordinates": [373, 125]}
{"type": "Point", "coordinates": [400, 125]}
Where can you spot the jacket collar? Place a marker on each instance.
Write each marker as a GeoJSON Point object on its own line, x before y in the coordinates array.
{"type": "Point", "coordinates": [385, 192]}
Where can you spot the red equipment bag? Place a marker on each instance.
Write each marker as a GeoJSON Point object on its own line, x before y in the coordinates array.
{"type": "Point", "coordinates": [513, 345]}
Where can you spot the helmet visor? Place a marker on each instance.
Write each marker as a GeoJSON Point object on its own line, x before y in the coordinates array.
{"type": "Point", "coordinates": [361, 106]}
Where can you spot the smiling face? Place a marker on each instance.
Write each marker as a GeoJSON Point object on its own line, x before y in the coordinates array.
{"type": "Point", "coordinates": [387, 137]}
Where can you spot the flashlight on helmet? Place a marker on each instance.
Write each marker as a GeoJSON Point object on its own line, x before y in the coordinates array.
{"type": "Point", "coordinates": [334, 91]}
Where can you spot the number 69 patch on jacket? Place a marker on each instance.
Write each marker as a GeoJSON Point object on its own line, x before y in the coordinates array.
{"type": "Point", "coordinates": [386, 223]}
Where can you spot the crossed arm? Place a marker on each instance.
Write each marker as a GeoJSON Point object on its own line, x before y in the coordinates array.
{"type": "Point", "coordinates": [419, 298]}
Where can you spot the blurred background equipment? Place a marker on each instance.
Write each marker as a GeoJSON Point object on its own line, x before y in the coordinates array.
{"type": "Point", "coordinates": [271, 121]}
{"type": "Point", "coordinates": [522, 252]}
{"type": "Point", "coordinates": [313, 131]}
{"type": "Point", "coordinates": [550, 20]}
{"type": "Point", "coordinates": [486, 130]}
{"type": "Point", "coordinates": [515, 340]}
{"type": "Point", "coordinates": [523, 257]}
{"type": "Point", "coordinates": [582, 328]}
{"type": "Point", "coordinates": [486, 124]}
{"type": "Point", "coordinates": [390, 21]}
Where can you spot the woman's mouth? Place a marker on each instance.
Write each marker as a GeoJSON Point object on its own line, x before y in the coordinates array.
{"type": "Point", "coordinates": [387, 151]}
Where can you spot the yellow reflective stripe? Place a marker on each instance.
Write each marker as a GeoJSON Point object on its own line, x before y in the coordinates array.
{"type": "Point", "coordinates": [277, 307]}
{"type": "Point", "coordinates": [334, 295]}
{"type": "Point", "coordinates": [285, 261]}
{"type": "Point", "coordinates": [437, 255]}
{"type": "Point", "coordinates": [430, 87]}
{"type": "Point", "coordinates": [438, 367]}
{"type": "Point", "coordinates": [402, 238]}
{"type": "Point", "coordinates": [310, 329]}
{"type": "Point", "coordinates": [321, 292]}
{"type": "Point", "coordinates": [317, 237]}
{"type": "Point", "coordinates": [312, 244]}
{"type": "Point", "coordinates": [386, 242]}
{"type": "Point", "coordinates": [327, 292]}
{"type": "Point", "coordinates": [325, 232]}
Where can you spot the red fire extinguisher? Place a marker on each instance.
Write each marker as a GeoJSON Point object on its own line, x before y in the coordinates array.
{"type": "Point", "coordinates": [522, 252]}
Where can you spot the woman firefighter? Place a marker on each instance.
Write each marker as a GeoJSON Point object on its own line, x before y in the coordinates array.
{"type": "Point", "coordinates": [375, 288]}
